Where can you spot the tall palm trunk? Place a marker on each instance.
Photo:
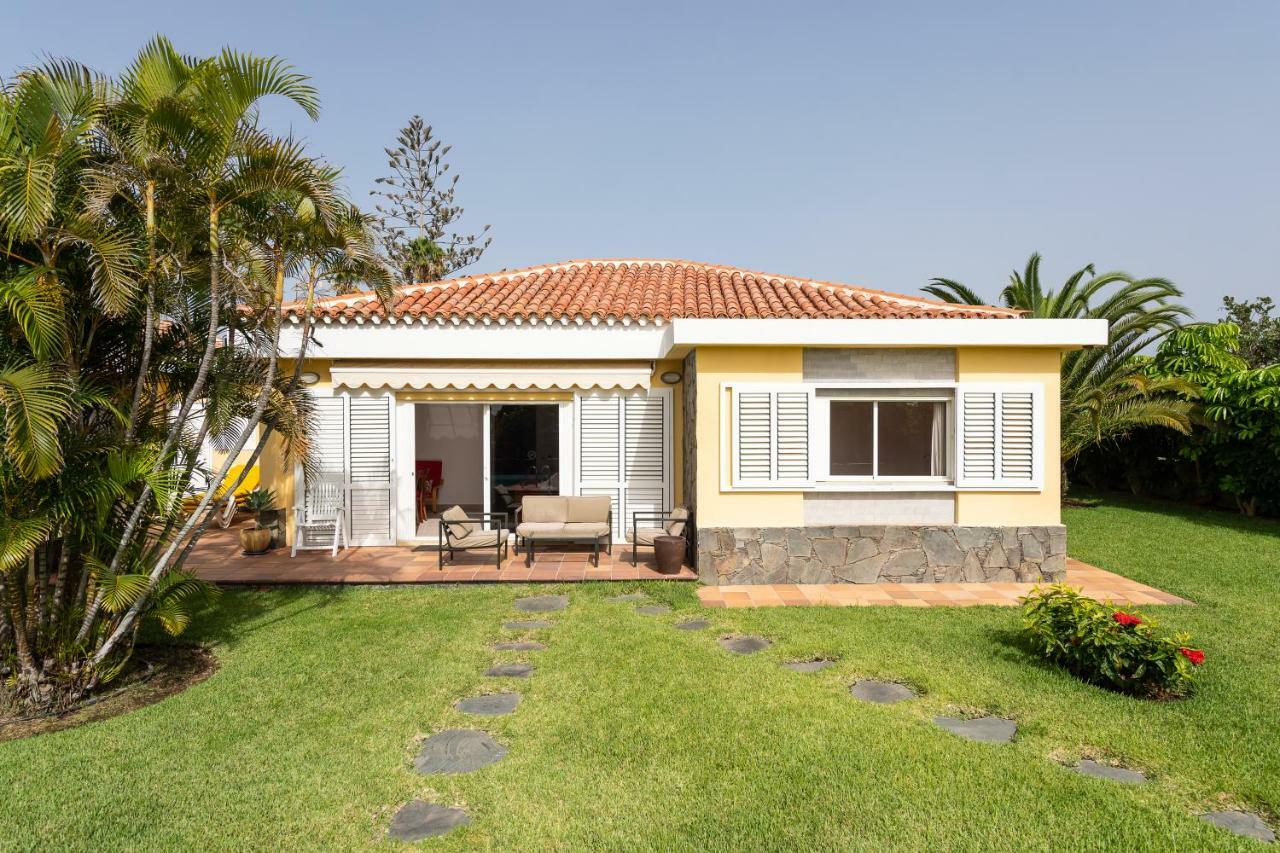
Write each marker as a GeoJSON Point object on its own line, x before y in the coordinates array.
{"type": "Point", "coordinates": [149, 327]}
{"type": "Point", "coordinates": [197, 388]}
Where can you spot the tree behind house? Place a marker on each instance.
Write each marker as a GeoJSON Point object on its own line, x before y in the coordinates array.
{"type": "Point", "coordinates": [1105, 394]}
{"type": "Point", "coordinates": [417, 209]}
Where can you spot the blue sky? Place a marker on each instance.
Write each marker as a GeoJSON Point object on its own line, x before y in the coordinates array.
{"type": "Point", "coordinates": [872, 143]}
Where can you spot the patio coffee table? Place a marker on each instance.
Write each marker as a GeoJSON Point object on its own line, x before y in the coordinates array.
{"type": "Point", "coordinates": [533, 538]}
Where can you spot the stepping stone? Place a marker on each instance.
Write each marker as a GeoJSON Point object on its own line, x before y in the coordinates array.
{"type": "Point", "coordinates": [653, 609]}
{"type": "Point", "coordinates": [491, 705]}
{"type": "Point", "coordinates": [881, 692]}
{"type": "Point", "coordinates": [458, 751]}
{"type": "Point", "coordinates": [510, 670]}
{"type": "Point", "coordinates": [1089, 767]}
{"type": "Point", "coordinates": [1241, 823]}
{"type": "Point", "coordinates": [418, 820]}
{"type": "Point", "coordinates": [542, 603]}
{"type": "Point", "coordinates": [520, 646]}
{"type": "Point", "coordinates": [744, 645]}
{"type": "Point", "coordinates": [693, 625]}
{"type": "Point", "coordinates": [984, 729]}
{"type": "Point", "coordinates": [630, 596]}
{"type": "Point", "coordinates": [808, 665]}
{"type": "Point", "coordinates": [527, 624]}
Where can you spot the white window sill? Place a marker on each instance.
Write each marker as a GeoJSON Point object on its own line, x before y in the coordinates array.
{"type": "Point", "coordinates": [883, 486]}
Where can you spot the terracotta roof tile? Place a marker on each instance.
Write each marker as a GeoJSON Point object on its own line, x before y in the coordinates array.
{"type": "Point", "coordinates": [638, 290]}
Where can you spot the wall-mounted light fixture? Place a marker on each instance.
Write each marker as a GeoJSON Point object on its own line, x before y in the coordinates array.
{"type": "Point", "coordinates": [671, 377]}
{"type": "Point", "coordinates": [309, 378]}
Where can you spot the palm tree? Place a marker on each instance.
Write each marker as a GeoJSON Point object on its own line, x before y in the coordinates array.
{"type": "Point", "coordinates": [1105, 394]}
{"type": "Point", "coordinates": [147, 229]}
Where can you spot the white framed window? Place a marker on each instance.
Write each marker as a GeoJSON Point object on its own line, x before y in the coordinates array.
{"type": "Point", "coordinates": [879, 437]}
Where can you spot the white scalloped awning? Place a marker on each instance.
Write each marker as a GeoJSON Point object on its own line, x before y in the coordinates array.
{"type": "Point", "coordinates": [565, 377]}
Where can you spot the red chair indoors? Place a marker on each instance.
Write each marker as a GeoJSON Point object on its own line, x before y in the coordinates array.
{"type": "Point", "coordinates": [429, 474]}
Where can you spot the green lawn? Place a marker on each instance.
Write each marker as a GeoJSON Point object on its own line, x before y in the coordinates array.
{"type": "Point", "coordinates": [634, 735]}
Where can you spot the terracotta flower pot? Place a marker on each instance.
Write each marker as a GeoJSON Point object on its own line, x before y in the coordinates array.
{"type": "Point", "coordinates": [254, 540]}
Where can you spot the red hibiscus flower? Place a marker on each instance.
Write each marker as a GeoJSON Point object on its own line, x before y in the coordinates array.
{"type": "Point", "coordinates": [1194, 655]}
{"type": "Point", "coordinates": [1126, 619]}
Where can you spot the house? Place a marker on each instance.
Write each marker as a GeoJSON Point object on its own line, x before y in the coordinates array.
{"type": "Point", "coordinates": [819, 432]}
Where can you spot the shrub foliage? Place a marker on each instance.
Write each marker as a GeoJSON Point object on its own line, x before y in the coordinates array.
{"type": "Point", "coordinates": [1108, 646]}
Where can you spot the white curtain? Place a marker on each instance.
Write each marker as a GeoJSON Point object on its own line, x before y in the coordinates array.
{"type": "Point", "coordinates": [938, 451]}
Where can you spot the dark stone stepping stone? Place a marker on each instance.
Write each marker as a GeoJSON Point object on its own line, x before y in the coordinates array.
{"type": "Point", "coordinates": [542, 603]}
{"type": "Point", "coordinates": [458, 751]}
{"type": "Point", "coordinates": [653, 609]}
{"type": "Point", "coordinates": [808, 665]}
{"type": "Point", "coordinates": [492, 705]}
{"type": "Point", "coordinates": [630, 596]}
{"type": "Point", "coordinates": [882, 692]}
{"type": "Point", "coordinates": [510, 670]}
{"type": "Point", "coordinates": [745, 645]}
{"type": "Point", "coordinates": [693, 625]}
{"type": "Point", "coordinates": [418, 820]}
{"type": "Point", "coordinates": [520, 646]}
{"type": "Point", "coordinates": [1089, 767]}
{"type": "Point", "coordinates": [527, 624]}
{"type": "Point", "coordinates": [984, 729]}
{"type": "Point", "coordinates": [1241, 823]}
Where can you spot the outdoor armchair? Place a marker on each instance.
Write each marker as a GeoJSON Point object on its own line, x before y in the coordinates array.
{"type": "Point", "coordinates": [463, 531]}
{"type": "Point", "coordinates": [647, 526]}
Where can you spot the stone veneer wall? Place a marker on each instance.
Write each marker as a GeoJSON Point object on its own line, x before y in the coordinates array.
{"type": "Point", "coordinates": [881, 554]}
{"type": "Point", "coordinates": [689, 448]}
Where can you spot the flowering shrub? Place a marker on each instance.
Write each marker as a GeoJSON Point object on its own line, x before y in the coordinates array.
{"type": "Point", "coordinates": [1108, 646]}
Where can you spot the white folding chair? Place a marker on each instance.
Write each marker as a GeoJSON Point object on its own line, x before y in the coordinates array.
{"type": "Point", "coordinates": [321, 508]}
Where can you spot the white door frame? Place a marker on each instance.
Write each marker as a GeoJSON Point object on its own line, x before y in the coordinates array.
{"type": "Point", "coordinates": [406, 442]}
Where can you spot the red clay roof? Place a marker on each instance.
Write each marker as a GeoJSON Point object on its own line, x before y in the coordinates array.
{"type": "Point", "coordinates": [637, 290]}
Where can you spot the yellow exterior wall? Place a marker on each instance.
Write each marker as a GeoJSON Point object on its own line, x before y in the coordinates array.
{"type": "Point", "coordinates": [1004, 364]}
{"type": "Point", "coordinates": [677, 424]}
{"type": "Point", "coordinates": [715, 507]}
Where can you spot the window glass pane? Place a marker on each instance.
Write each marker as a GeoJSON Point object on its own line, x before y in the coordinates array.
{"type": "Point", "coordinates": [912, 439]}
{"type": "Point", "coordinates": [850, 438]}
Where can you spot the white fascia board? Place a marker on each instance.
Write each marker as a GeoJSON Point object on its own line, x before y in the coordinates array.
{"type": "Point", "coordinates": [615, 341]}
{"type": "Point", "coordinates": [465, 341]}
{"type": "Point", "coordinates": [890, 333]}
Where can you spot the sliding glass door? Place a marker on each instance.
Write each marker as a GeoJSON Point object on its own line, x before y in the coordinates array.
{"type": "Point", "coordinates": [524, 454]}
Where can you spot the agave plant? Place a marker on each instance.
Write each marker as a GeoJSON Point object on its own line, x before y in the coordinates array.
{"type": "Point", "coordinates": [1105, 392]}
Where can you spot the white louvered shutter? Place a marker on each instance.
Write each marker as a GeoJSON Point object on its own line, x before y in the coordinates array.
{"type": "Point", "coordinates": [645, 451]}
{"type": "Point", "coordinates": [1000, 436]}
{"type": "Point", "coordinates": [369, 507]}
{"type": "Point", "coordinates": [772, 437]}
{"type": "Point", "coordinates": [791, 435]}
{"type": "Point", "coordinates": [753, 461]}
{"type": "Point", "coordinates": [624, 447]}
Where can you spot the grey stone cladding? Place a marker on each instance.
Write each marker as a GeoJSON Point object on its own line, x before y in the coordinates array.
{"type": "Point", "coordinates": [881, 554]}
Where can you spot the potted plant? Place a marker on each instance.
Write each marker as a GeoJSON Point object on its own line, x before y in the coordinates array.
{"type": "Point", "coordinates": [265, 533]}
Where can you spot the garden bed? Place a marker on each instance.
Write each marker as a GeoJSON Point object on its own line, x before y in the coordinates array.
{"type": "Point", "coordinates": [154, 673]}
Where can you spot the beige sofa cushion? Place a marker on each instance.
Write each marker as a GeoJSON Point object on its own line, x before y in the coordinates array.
{"type": "Point", "coordinates": [543, 508]}
{"type": "Point", "coordinates": [534, 528]}
{"type": "Point", "coordinates": [477, 539]}
{"type": "Point", "coordinates": [586, 528]}
{"type": "Point", "coordinates": [679, 515]}
{"type": "Point", "coordinates": [646, 535]}
{"type": "Point", "coordinates": [589, 508]}
{"type": "Point", "coordinates": [456, 530]}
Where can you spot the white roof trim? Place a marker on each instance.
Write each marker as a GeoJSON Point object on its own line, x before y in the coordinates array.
{"type": "Point", "coordinates": [950, 332]}
{"type": "Point", "coordinates": [541, 342]}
